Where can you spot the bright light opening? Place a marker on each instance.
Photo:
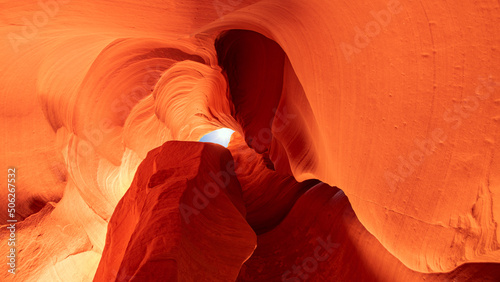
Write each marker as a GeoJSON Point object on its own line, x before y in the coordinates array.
{"type": "Point", "coordinates": [219, 136]}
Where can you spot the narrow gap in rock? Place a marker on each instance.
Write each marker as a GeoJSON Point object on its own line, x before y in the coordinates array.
{"type": "Point", "coordinates": [220, 136]}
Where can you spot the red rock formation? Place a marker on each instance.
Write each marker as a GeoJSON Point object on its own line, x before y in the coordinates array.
{"type": "Point", "coordinates": [402, 120]}
{"type": "Point", "coordinates": [268, 195]}
{"type": "Point", "coordinates": [395, 102]}
{"type": "Point", "coordinates": [182, 219]}
{"type": "Point", "coordinates": [321, 239]}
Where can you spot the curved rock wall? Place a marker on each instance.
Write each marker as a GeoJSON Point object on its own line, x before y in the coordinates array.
{"type": "Point", "coordinates": [397, 103]}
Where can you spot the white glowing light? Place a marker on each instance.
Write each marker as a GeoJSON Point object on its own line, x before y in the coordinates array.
{"type": "Point", "coordinates": [219, 136]}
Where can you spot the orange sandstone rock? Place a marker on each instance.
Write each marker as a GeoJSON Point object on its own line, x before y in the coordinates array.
{"type": "Point", "coordinates": [395, 102]}
{"type": "Point", "coordinates": [182, 219]}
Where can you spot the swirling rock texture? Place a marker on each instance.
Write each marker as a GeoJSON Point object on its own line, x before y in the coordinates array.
{"type": "Point", "coordinates": [366, 144]}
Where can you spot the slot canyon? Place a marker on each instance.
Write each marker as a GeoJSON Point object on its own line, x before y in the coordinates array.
{"type": "Point", "coordinates": [250, 140]}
